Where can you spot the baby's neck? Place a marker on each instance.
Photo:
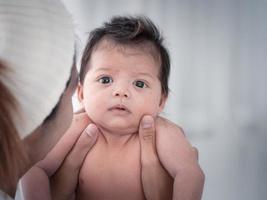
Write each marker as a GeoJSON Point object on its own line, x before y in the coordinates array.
{"type": "Point", "coordinates": [116, 139]}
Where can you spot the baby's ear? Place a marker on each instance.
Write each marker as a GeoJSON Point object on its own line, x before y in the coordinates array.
{"type": "Point", "coordinates": [80, 93]}
{"type": "Point", "coordinates": [162, 102]}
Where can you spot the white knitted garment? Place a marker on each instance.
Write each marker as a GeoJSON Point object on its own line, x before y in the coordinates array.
{"type": "Point", "coordinates": [37, 44]}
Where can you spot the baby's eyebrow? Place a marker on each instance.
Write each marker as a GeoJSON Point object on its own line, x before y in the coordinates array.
{"type": "Point", "coordinates": [145, 74]}
{"type": "Point", "coordinates": [103, 69]}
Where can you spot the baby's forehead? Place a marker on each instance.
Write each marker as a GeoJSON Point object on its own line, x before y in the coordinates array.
{"type": "Point", "coordinates": [146, 48]}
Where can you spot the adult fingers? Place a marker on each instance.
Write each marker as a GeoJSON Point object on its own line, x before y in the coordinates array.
{"type": "Point", "coordinates": [147, 137]}
{"type": "Point", "coordinates": [58, 154]}
{"type": "Point", "coordinates": [82, 146]}
{"type": "Point", "coordinates": [64, 181]}
{"type": "Point", "coordinates": [157, 183]}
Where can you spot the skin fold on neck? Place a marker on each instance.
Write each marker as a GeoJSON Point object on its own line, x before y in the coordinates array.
{"type": "Point", "coordinates": [113, 139]}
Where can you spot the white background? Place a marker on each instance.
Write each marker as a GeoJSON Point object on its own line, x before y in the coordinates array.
{"type": "Point", "coordinates": [218, 82]}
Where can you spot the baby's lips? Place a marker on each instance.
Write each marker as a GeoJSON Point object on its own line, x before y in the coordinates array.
{"type": "Point", "coordinates": [119, 107]}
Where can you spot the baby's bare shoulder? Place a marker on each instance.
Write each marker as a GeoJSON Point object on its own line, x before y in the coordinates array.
{"type": "Point", "coordinates": [167, 128]}
{"type": "Point", "coordinates": [174, 149]}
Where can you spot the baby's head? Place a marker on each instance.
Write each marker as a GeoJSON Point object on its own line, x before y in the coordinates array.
{"type": "Point", "coordinates": [124, 73]}
{"type": "Point", "coordinates": [133, 32]}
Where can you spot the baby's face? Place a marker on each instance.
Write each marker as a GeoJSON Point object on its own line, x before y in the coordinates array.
{"type": "Point", "coordinates": [120, 87]}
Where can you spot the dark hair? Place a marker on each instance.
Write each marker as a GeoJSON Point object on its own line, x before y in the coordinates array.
{"type": "Point", "coordinates": [12, 150]}
{"type": "Point", "coordinates": [129, 31]}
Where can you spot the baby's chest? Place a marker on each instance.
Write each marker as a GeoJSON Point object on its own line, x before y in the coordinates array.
{"type": "Point", "coordinates": [111, 174]}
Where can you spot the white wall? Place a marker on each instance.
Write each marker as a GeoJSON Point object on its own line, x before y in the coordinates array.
{"type": "Point", "coordinates": [218, 82]}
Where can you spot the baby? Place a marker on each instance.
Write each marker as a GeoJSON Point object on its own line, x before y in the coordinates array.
{"type": "Point", "coordinates": [124, 76]}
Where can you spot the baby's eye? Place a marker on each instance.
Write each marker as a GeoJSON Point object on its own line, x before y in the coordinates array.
{"type": "Point", "coordinates": [105, 80]}
{"type": "Point", "coordinates": [140, 84]}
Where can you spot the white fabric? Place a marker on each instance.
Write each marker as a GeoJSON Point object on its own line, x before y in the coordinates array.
{"type": "Point", "coordinates": [4, 196]}
{"type": "Point", "coordinates": [37, 43]}
{"type": "Point", "coordinates": [19, 192]}
{"type": "Point", "coordinates": [18, 196]}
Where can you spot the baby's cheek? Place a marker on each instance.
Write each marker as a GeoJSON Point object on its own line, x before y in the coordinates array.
{"type": "Point", "coordinates": [150, 109]}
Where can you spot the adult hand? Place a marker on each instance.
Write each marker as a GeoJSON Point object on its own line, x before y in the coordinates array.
{"type": "Point", "coordinates": [180, 159]}
{"type": "Point", "coordinates": [157, 183]}
{"type": "Point", "coordinates": [57, 174]}
{"type": "Point", "coordinates": [164, 142]}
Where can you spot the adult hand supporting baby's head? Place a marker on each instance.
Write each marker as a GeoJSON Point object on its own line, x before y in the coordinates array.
{"type": "Point", "coordinates": [166, 154]}
{"type": "Point", "coordinates": [64, 181]}
{"type": "Point", "coordinates": [59, 171]}
{"type": "Point", "coordinates": [157, 183]}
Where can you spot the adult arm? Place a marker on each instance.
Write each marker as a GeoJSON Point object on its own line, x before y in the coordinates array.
{"type": "Point", "coordinates": [61, 166]}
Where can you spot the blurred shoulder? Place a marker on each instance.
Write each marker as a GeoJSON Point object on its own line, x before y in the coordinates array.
{"type": "Point", "coordinates": [164, 125]}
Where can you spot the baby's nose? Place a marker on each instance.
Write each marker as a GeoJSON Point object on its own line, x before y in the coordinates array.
{"type": "Point", "coordinates": [121, 92]}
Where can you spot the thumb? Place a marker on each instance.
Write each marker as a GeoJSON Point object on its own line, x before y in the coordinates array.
{"type": "Point", "coordinates": [147, 137]}
{"type": "Point", "coordinates": [64, 181]}
{"type": "Point", "coordinates": [84, 143]}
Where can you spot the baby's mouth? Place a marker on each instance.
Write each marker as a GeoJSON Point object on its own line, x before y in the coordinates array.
{"type": "Point", "coordinates": [119, 108]}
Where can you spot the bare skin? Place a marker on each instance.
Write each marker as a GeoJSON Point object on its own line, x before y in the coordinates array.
{"type": "Point", "coordinates": [63, 163]}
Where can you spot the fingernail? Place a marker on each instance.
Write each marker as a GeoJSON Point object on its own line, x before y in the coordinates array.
{"type": "Point", "coordinates": [147, 122]}
{"type": "Point", "coordinates": [91, 130]}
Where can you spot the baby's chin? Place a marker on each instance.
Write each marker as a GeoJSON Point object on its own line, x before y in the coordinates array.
{"type": "Point", "coordinates": [119, 129]}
